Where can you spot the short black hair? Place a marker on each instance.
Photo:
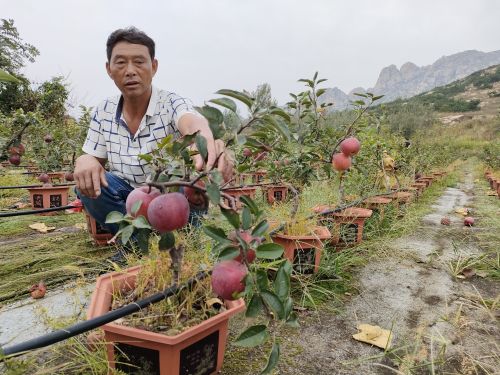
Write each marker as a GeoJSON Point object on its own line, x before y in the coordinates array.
{"type": "Point", "coordinates": [132, 35]}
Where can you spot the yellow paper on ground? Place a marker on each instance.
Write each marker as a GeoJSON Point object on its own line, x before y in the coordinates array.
{"type": "Point", "coordinates": [374, 335]}
{"type": "Point", "coordinates": [41, 227]}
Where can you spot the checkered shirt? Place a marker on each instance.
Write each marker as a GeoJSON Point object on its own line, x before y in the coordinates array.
{"type": "Point", "coordinates": [109, 138]}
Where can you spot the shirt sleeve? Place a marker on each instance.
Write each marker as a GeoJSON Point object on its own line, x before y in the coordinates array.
{"type": "Point", "coordinates": [180, 106]}
{"type": "Point", "coordinates": [95, 143]}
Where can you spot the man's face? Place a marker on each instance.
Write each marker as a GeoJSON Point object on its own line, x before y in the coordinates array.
{"type": "Point", "coordinates": [131, 68]}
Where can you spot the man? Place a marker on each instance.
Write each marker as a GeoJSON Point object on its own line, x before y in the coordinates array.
{"type": "Point", "coordinates": [132, 124]}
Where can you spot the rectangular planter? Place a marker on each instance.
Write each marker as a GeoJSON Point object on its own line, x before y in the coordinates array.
{"type": "Point", "coordinates": [48, 197]}
{"type": "Point", "coordinates": [100, 236]}
{"type": "Point", "coordinates": [197, 350]}
{"type": "Point", "coordinates": [275, 193]}
{"type": "Point", "coordinates": [377, 204]}
{"type": "Point", "coordinates": [349, 225]}
{"type": "Point", "coordinates": [239, 192]}
{"type": "Point", "coordinates": [304, 252]}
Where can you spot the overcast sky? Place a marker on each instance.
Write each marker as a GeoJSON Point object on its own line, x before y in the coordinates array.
{"type": "Point", "coordinates": [206, 45]}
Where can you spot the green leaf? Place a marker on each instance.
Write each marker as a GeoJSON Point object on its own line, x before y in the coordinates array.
{"type": "Point", "coordinates": [242, 97]}
{"type": "Point", "coordinates": [114, 217]}
{"type": "Point", "coordinates": [201, 145]}
{"type": "Point", "coordinates": [260, 229]}
{"type": "Point", "coordinates": [213, 193]}
{"type": "Point", "coordinates": [254, 306]}
{"type": "Point", "coordinates": [322, 80]}
{"type": "Point", "coordinates": [277, 126]}
{"type": "Point", "coordinates": [377, 97]}
{"type": "Point", "coordinates": [274, 303]}
{"type": "Point", "coordinates": [247, 201]}
{"type": "Point", "coordinates": [142, 238]}
{"type": "Point", "coordinates": [252, 336]}
{"type": "Point", "coordinates": [246, 218]}
{"type": "Point", "coordinates": [230, 252]}
{"type": "Point", "coordinates": [126, 233]}
{"type": "Point", "coordinates": [147, 157]}
{"type": "Point", "coordinates": [167, 241]}
{"type": "Point", "coordinates": [215, 233]}
{"type": "Point", "coordinates": [273, 360]}
{"type": "Point", "coordinates": [279, 112]}
{"type": "Point", "coordinates": [6, 77]}
{"type": "Point", "coordinates": [320, 92]}
{"type": "Point", "coordinates": [262, 281]}
{"type": "Point", "coordinates": [288, 305]}
{"type": "Point", "coordinates": [293, 320]}
{"type": "Point", "coordinates": [226, 103]}
{"type": "Point", "coordinates": [212, 114]}
{"type": "Point", "coordinates": [141, 222]}
{"type": "Point", "coordinates": [232, 217]}
{"type": "Point", "coordinates": [269, 251]}
{"type": "Point", "coordinates": [282, 283]}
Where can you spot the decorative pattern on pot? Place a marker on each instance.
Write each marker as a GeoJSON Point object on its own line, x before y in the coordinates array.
{"type": "Point", "coordinates": [197, 350]}
{"type": "Point", "coordinates": [47, 197]}
{"type": "Point", "coordinates": [349, 225]}
{"type": "Point", "coordinates": [304, 252]}
{"type": "Point", "coordinates": [275, 193]}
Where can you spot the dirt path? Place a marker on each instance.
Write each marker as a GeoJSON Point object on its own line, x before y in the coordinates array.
{"type": "Point", "coordinates": [440, 324]}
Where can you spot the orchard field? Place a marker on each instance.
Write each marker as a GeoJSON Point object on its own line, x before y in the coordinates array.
{"type": "Point", "coordinates": [364, 241]}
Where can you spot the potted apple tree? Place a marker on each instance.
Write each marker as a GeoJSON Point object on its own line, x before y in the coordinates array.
{"type": "Point", "coordinates": [187, 333]}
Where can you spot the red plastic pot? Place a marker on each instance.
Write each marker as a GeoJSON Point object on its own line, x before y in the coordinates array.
{"type": "Point", "coordinates": [304, 252]}
{"type": "Point", "coordinates": [197, 350]}
{"type": "Point", "coordinates": [348, 226]}
{"type": "Point", "coordinates": [377, 204]}
{"type": "Point", "coordinates": [99, 235]}
{"type": "Point", "coordinates": [275, 193]}
{"type": "Point", "coordinates": [239, 192]}
{"type": "Point", "coordinates": [47, 197]}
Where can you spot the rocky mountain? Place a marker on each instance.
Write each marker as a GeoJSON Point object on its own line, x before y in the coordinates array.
{"type": "Point", "coordinates": [411, 79]}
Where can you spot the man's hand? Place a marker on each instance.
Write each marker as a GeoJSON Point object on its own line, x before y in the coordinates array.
{"type": "Point", "coordinates": [89, 175]}
{"type": "Point", "coordinates": [191, 123]}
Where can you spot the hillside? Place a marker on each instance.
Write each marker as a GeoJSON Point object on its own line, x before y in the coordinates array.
{"type": "Point", "coordinates": [411, 80]}
{"type": "Point", "coordinates": [475, 96]}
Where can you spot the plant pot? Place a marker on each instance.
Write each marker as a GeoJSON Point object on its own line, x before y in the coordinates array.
{"type": "Point", "coordinates": [275, 193]}
{"type": "Point", "coordinates": [56, 177]}
{"type": "Point", "coordinates": [243, 179]}
{"type": "Point", "coordinates": [100, 236]}
{"type": "Point", "coordinates": [239, 192]}
{"type": "Point", "coordinates": [258, 177]}
{"type": "Point", "coordinates": [494, 183]}
{"type": "Point", "coordinates": [197, 350]}
{"type": "Point", "coordinates": [377, 204]}
{"type": "Point", "coordinates": [304, 252]}
{"type": "Point", "coordinates": [47, 197]}
{"type": "Point", "coordinates": [348, 226]}
{"type": "Point", "coordinates": [426, 179]}
{"type": "Point", "coordinates": [420, 186]}
{"type": "Point", "coordinates": [402, 199]}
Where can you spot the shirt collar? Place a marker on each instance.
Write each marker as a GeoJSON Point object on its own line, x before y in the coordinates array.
{"type": "Point", "coordinates": [150, 111]}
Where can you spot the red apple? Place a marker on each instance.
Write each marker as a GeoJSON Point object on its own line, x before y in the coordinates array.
{"type": "Point", "coordinates": [21, 148]}
{"type": "Point", "coordinates": [196, 197]}
{"type": "Point", "coordinates": [468, 221]}
{"type": "Point", "coordinates": [260, 156]}
{"type": "Point", "coordinates": [350, 146]}
{"type": "Point", "coordinates": [44, 177]}
{"type": "Point", "coordinates": [228, 279]}
{"type": "Point", "coordinates": [15, 159]}
{"type": "Point", "coordinates": [168, 212]}
{"type": "Point", "coordinates": [341, 162]}
{"type": "Point", "coordinates": [248, 238]}
{"type": "Point", "coordinates": [38, 290]}
{"type": "Point", "coordinates": [247, 152]}
{"type": "Point", "coordinates": [48, 138]}
{"type": "Point", "coordinates": [141, 194]}
{"type": "Point", "coordinates": [445, 221]}
{"type": "Point", "coordinates": [68, 176]}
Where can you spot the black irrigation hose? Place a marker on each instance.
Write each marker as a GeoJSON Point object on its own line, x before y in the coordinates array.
{"type": "Point", "coordinates": [33, 186]}
{"type": "Point", "coordinates": [34, 212]}
{"type": "Point", "coordinates": [85, 326]}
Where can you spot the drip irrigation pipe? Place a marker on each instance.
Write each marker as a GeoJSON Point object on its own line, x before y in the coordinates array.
{"type": "Point", "coordinates": [34, 212]}
{"type": "Point", "coordinates": [85, 326]}
{"type": "Point", "coordinates": [34, 186]}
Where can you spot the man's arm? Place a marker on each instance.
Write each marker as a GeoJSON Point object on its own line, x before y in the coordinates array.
{"type": "Point", "coordinates": [89, 175]}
